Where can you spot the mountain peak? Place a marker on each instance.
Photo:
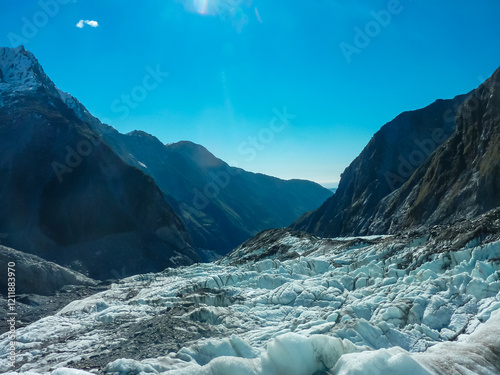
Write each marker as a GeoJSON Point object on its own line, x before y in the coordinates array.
{"type": "Point", "coordinates": [197, 153]}
{"type": "Point", "coordinates": [21, 71]}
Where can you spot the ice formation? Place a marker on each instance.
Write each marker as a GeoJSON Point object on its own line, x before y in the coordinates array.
{"type": "Point", "coordinates": [365, 306]}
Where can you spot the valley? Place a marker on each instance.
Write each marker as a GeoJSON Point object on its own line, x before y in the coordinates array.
{"type": "Point", "coordinates": [133, 256]}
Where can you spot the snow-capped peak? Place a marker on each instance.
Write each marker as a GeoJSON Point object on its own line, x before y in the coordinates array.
{"type": "Point", "coordinates": [20, 71]}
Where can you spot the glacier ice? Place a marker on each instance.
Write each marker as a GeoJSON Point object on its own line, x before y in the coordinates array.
{"type": "Point", "coordinates": [381, 308]}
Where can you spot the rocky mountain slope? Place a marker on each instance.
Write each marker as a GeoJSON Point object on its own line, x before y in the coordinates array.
{"type": "Point", "coordinates": [420, 170]}
{"type": "Point", "coordinates": [386, 163]}
{"type": "Point", "coordinates": [65, 195]}
{"type": "Point", "coordinates": [221, 206]}
{"type": "Point", "coordinates": [41, 287]}
{"type": "Point", "coordinates": [461, 179]}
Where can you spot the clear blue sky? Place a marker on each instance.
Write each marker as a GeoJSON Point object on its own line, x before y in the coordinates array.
{"type": "Point", "coordinates": [231, 63]}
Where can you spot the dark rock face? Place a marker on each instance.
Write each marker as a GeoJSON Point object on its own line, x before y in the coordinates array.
{"type": "Point", "coordinates": [385, 164]}
{"type": "Point", "coordinates": [66, 196]}
{"type": "Point", "coordinates": [461, 179]}
{"type": "Point", "coordinates": [221, 206]}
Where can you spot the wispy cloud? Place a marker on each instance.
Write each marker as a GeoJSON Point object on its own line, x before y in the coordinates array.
{"type": "Point", "coordinates": [82, 23]}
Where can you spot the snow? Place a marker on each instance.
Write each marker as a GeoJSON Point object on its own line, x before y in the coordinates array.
{"type": "Point", "coordinates": [68, 371]}
{"type": "Point", "coordinates": [289, 353]}
{"type": "Point", "coordinates": [74, 104]}
{"type": "Point", "coordinates": [20, 70]}
{"type": "Point", "coordinates": [474, 355]}
{"type": "Point", "coordinates": [16, 65]}
{"type": "Point", "coordinates": [346, 309]}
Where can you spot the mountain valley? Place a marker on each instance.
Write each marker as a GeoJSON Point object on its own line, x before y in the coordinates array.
{"type": "Point", "coordinates": [139, 257]}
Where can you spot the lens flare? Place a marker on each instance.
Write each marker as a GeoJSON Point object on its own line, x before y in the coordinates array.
{"type": "Point", "coordinates": [201, 6]}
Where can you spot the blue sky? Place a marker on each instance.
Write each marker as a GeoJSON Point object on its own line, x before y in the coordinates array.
{"type": "Point", "coordinates": [223, 72]}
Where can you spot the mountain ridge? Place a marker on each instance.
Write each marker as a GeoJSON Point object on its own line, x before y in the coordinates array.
{"type": "Point", "coordinates": [183, 173]}
{"type": "Point", "coordinates": [203, 189]}
{"type": "Point", "coordinates": [51, 211]}
{"type": "Point", "coordinates": [460, 180]}
{"type": "Point", "coordinates": [447, 169]}
{"type": "Point", "coordinates": [386, 162]}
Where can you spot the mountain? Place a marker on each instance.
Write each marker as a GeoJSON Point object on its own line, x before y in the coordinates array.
{"type": "Point", "coordinates": [423, 299]}
{"type": "Point", "coordinates": [93, 194]}
{"type": "Point", "coordinates": [391, 157]}
{"type": "Point", "coordinates": [65, 195]}
{"type": "Point", "coordinates": [461, 179]}
{"type": "Point", "coordinates": [221, 206]}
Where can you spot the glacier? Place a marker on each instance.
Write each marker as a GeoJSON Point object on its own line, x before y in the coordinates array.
{"type": "Point", "coordinates": [360, 305]}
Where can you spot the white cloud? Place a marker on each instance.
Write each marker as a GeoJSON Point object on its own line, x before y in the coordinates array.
{"type": "Point", "coordinates": [82, 23]}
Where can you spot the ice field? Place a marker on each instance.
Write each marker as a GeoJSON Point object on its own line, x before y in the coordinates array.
{"type": "Point", "coordinates": [351, 306]}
